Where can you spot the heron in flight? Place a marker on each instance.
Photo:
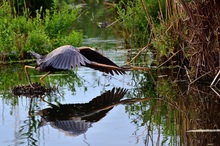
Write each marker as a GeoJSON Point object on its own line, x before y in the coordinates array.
{"type": "Point", "coordinates": [68, 57]}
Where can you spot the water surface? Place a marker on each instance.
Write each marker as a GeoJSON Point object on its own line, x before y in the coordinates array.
{"type": "Point", "coordinates": [116, 128]}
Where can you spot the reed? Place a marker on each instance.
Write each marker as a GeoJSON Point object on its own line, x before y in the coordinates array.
{"type": "Point", "coordinates": [202, 22]}
{"type": "Point", "coordinates": [188, 37]}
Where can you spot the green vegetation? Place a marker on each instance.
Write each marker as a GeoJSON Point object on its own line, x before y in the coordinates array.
{"type": "Point", "coordinates": [21, 33]}
{"type": "Point", "coordinates": [150, 23]}
{"type": "Point", "coordinates": [135, 22]}
{"type": "Point", "coordinates": [161, 26]}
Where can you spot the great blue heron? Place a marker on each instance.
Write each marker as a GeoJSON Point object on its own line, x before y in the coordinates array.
{"type": "Point", "coordinates": [68, 57]}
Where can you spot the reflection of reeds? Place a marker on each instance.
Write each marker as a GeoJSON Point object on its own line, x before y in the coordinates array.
{"type": "Point", "coordinates": [201, 109]}
{"type": "Point", "coordinates": [179, 109]}
{"type": "Point", "coordinates": [174, 109]}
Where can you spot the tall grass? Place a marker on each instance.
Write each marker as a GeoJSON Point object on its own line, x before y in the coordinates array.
{"type": "Point", "coordinates": [193, 27]}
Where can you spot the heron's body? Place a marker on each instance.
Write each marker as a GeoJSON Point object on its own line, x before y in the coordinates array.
{"type": "Point", "coordinates": [68, 57]}
{"type": "Point", "coordinates": [62, 58]}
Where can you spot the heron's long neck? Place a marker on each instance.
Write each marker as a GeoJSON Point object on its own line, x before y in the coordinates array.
{"type": "Point", "coordinates": [37, 57]}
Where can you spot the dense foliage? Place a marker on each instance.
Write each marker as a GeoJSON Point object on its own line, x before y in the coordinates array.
{"type": "Point", "coordinates": [20, 33]}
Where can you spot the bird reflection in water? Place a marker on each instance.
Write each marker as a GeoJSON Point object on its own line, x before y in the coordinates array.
{"type": "Point", "coordinates": [75, 119]}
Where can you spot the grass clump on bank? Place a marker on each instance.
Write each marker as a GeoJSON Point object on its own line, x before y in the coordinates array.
{"type": "Point", "coordinates": [21, 33]}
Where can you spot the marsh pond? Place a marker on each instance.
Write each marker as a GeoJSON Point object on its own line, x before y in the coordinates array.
{"type": "Point", "coordinates": [87, 107]}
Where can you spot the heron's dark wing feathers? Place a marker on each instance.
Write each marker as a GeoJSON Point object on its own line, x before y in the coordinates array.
{"type": "Point", "coordinates": [64, 58]}
{"type": "Point", "coordinates": [100, 62]}
{"type": "Point", "coordinates": [95, 56]}
{"type": "Point", "coordinates": [109, 69]}
{"type": "Point", "coordinates": [108, 98]}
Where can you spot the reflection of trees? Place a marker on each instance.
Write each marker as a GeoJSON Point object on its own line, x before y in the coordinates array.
{"type": "Point", "coordinates": [10, 75]}
{"type": "Point", "coordinates": [70, 79]}
{"type": "Point", "coordinates": [13, 75]}
{"type": "Point", "coordinates": [147, 114]}
{"type": "Point", "coordinates": [27, 132]}
{"type": "Point", "coordinates": [174, 110]}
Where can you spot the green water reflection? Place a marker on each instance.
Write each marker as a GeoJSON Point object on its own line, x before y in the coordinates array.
{"type": "Point", "coordinates": [183, 115]}
{"type": "Point", "coordinates": [166, 111]}
{"type": "Point", "coordinates": [13, 75]}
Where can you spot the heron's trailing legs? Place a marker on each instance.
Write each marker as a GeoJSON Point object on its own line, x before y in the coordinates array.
{"type": "Point", "coordinates": [41, 79]}
{"type": "Point", "coordinates": [28, 76]}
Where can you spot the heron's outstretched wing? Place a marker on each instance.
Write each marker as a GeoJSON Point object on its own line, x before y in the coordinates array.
{"type": "Point", "coordinates": [100, 62]}
{"type": "Point", "coordinates": [109, 69]}
{"type": "Point", "coordinates": [63, 58]}
{"type": "Point", "coordinates": [95, 56]}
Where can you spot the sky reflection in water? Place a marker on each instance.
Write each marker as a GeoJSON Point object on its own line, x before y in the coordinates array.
{"type": "Point", "coordinates": [113, 129]}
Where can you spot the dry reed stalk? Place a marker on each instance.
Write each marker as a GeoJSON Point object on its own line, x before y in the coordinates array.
{"type": "Point", "coordinates": [203, 37]}
{"type": "Point", "coordinates": [196, 25]}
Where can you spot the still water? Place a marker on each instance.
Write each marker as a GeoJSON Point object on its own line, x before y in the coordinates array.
{"type": "Point", "coordinates": [95, 109]}
{"type": "Point", "coordinates": [115, 127]}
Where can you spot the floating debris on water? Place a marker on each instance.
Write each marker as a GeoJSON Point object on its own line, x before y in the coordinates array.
{"type": "Point", "coordinates": [36, 90]}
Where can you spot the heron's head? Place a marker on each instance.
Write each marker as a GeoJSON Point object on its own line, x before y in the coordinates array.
{"type": "Point", "coordinates": [39, 58]}
{"type": "Point", "coordinates": [35, 55]}
{"type": "Point", "coordinates": [32, 53]}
